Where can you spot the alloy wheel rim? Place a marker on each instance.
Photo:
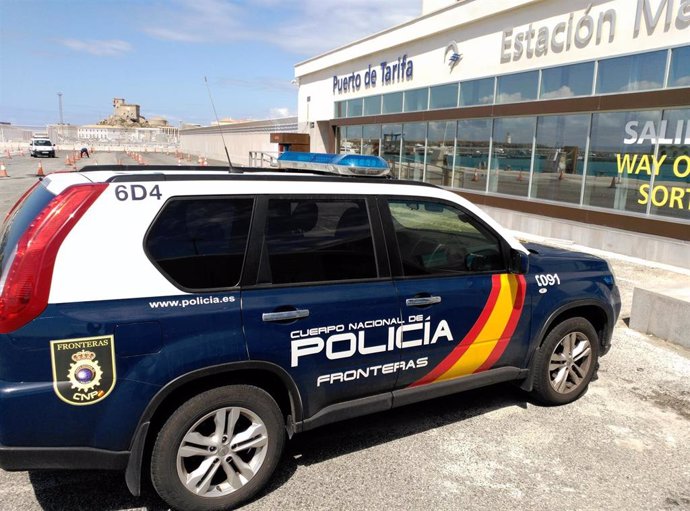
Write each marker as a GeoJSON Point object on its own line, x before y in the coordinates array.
{"type": "Point", "coordinates": [222, 452]}
{"type": "Point", "coordinates": [570, 363]}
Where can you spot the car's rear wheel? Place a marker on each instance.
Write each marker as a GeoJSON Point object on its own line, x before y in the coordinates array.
{"type": "Point", "coordinates": [566, 362]}
{"type": "Point", "coordinates": [218, 449]}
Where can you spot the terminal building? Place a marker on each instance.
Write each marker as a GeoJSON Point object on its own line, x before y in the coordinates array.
{"type": "Point", "coordinates": [563, 119]}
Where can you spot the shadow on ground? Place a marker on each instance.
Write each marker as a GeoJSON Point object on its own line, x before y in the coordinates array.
{"type": "Point", "coordinates": [106, 491]}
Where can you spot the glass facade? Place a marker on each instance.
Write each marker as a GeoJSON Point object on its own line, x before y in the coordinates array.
{"type": "Point", "coordinates": [567, 81]}
{"type": "Point", "coordinates": [634, 162]}
{"type": "Point", "coordinates": [517, 87]}
{"type": "Point", "coordinates": [443, 96]}
{"type": "Point", "coordinates": [511, 155]}
{"type": "Point", "coordinates": [559, 155]}
{"type": "Point", "coordinates": [416, 100]}
{"type": "Point", "coordinates": [638, 72]}
{"type": "Point", "coordinates": [642, 71]}
{"type": "Point", "coordinates": [477, 92]}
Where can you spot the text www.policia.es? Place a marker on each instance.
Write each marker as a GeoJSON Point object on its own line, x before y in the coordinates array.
{"type": "Point", "coordinates": [191, 302]}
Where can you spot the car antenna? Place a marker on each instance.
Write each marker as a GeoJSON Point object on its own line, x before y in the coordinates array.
{"type": "Point", "coordinates": [220, 127]}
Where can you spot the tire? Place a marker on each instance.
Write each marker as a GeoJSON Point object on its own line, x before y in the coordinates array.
{"type": "Point", "coordinates": [225, 475]}
{"type": "Point", "coordinates": [566, 362]}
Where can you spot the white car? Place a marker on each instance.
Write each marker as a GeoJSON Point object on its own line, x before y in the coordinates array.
{"type": "Point", "coordinates": [42, 147]}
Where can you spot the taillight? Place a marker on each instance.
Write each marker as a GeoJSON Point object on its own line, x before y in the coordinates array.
{"type": "Point", "coordinates": [26, 289]}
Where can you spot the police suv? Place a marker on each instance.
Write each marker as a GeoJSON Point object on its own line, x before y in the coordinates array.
{"type": "Point", "coordinates": [179, 323]}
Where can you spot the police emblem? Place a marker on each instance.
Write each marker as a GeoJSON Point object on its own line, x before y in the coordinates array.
{"type": "Point", "coordinates": [83, 369]}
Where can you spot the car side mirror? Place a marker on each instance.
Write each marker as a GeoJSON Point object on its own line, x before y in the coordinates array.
{"type": "Point", "coordinates": [519, 262]}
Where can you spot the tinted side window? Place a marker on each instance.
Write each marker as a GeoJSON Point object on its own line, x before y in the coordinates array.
{"type": "Point", "coordinates": [319, 240]}
{"type": "Point", "coordinates": [437, 239]}
{"type": "Point", "coordinates": [200, 243]}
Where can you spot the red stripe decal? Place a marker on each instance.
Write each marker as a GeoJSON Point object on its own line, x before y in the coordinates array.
{"type": "Point", "coordinates": [510, 327]}
{"type": "Point", "coordinates": [471, 336]}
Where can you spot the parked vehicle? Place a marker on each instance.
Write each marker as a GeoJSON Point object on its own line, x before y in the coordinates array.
{"type": "Point", "coordinates": [202, 316]}
{"type": "Point", "coordinates": [41, 147]}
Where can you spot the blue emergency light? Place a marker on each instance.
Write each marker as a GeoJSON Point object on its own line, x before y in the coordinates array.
{"type": "Point", "coordinates": [343, 164]}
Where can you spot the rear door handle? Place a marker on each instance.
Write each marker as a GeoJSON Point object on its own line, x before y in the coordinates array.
{"type": "Point", "coordinates": [285, 315]}
{"type": "Point", "coordinates": [422, 301]}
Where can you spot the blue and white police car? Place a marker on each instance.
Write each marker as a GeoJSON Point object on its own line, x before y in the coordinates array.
{"type": "Point", "coordinates": [191, 319]}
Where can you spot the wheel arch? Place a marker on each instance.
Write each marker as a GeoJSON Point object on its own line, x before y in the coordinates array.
{"type": "Point", "coordinates": [594, 311]}
{"type": "Point", "coordinates": [265, 375]}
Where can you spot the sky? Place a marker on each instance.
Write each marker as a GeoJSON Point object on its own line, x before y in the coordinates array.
{"type": "Point", "coordinates": [156, 53]}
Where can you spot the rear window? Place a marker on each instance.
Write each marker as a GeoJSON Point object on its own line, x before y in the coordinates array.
{"type": "Point", "coordinates": [19, 221]}
{"type": "Point", "coordinates": [200, 243]}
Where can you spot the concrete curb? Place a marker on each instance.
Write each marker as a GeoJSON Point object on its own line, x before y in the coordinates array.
{"type": "Point", "coordinates": [663, 313]}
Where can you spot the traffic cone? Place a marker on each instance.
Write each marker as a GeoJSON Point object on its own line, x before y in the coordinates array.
{"type": "Point", "coordinates": [179, 162]}
{"type": "Point", "coordinates": [200, 161]}
{"type": "Point", "coordinates": [3, 170]}
{"type": "Point", "coordinates": [614, 182]}
{"type": "Point", "coordinates": [475, 177]}
{"type": "Point", "coordinates": [204, 163]}
{"type": "Point", "coordinates": [67, 160]}
{"type": "Point", "coordinates": [39, 171]}
{"type": "Point", "coordinates": [519, 178]}
{"type": "Point", "coordinates": [7, 152]}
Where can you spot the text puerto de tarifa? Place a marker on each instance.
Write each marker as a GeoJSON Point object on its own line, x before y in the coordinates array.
{"type": "Point", "coordinates": [391, 72]}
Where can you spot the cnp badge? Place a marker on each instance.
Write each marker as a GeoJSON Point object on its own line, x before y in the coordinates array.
{"type": "Point", "coordinates": [83, 369]}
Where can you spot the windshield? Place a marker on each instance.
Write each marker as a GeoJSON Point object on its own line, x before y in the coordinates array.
{"type": "Point", "coordinates": [42, 142]}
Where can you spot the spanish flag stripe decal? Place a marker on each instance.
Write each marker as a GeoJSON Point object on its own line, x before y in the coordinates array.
{"type": "Point", "coordinates": [462, 347]}
{"type": "Point", "coordinates": [519, 302]}
{"type": "Point", "coordinates": [487, 340]}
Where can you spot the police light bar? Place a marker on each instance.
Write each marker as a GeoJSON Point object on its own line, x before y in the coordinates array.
{"type": "Point", "coordinates": [342, 164]}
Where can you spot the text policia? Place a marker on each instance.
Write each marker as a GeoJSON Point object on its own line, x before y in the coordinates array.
{"type": "Point", "coordinates": [677, 195]}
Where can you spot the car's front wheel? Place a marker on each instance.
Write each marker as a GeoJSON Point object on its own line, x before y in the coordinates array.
{"type": "Point", "coordinates": [218, 449]}
{"type": "Point", "coordinates": [566, 362]}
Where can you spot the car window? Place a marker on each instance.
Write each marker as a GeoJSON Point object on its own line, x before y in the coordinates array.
{"type": "Point", "coordinates": [435, 238]}
{"type": "Point", "coordinates": [319, 240]}
{"type": "Point", "coordinates": [200, 243]}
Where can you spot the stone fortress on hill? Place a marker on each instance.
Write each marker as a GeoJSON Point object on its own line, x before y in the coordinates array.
{"type": "Point", "coordinates": [127, 115]}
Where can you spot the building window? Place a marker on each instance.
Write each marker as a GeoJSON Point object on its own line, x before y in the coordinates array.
{"type": "Point", "coordinates": [340, 109]}
{"type": "Point", "coordinates": [567, 81]}
{"type": "Point", "coordinates": [559, 157]}
{"type": "Point", "coordinates": [371, 139]}
{"type": "Point", "coordinates": [472, 154]}
{"type": "Point", "coordinates": [354, 107]}
{"type": "Point", "coordinates": [391, 135]}
{"type": "Point", "coordinates": [416, 100]}
{"type": "Point", "coordinates": [443, 96]}
{"type": "Point", "coordinates": [517, 87]}
{"type": "Point", "coordinates": [372, 105]}
{"type": "Point", "coordinates": [439, 155]}
{"type": "Point", "coordinates": [617, 162]}
{"type": "Point", "coordinates": [413, 151]}
{"type": "Point", "coordinates": [351, 139]}
{"type": "Point", "coordinates": [392, 103]}
{"type": "Point", "coordinates": [670, 194]}
{"type": "Point", "coordinates": [680, 67]}
{"type": "Point", "coordinates": [511, 157]}
{"type": "Point", "coordinates": [477, 92]}
{"type": "Point", "coordinates": [632, 73]}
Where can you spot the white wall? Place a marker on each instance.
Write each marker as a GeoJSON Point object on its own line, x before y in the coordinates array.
{"type": "Point", "coordinates": [210, 145]}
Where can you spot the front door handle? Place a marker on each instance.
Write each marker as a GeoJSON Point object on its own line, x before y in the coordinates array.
{"type": "Point", "coordinates": [422, 301]}
{"type": "Point", "coordinates": [285, 315]}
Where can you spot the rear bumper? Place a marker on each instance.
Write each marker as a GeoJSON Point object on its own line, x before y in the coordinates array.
{"type": "Point", "coordinates": [75, 458]}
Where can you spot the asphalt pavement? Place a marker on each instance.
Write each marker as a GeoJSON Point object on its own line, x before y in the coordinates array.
{"type": "Point", "coordinates": [623, 445]}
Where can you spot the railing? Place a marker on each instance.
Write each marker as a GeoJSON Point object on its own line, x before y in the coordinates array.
{"type": "Point", "coordinates": [263, 158]}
